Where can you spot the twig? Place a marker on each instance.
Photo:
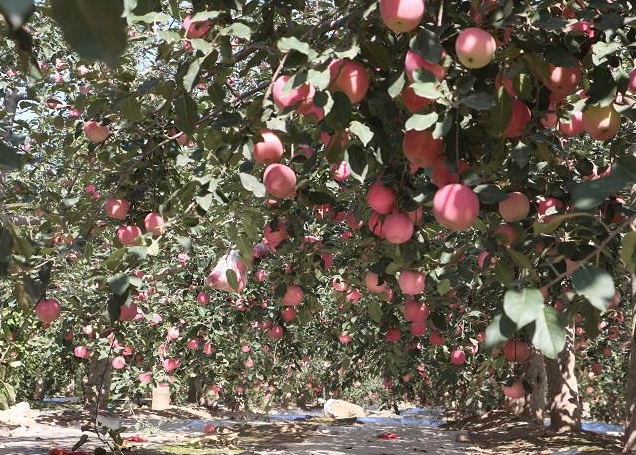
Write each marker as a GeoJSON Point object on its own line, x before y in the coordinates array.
{"type": "Point", "coordinates": [597, 251]}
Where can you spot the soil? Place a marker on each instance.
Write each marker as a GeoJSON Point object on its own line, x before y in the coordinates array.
{"type": "Point", "coordinates": [179, 431]}
{"type": "Point", "coordinates": [499, 432]}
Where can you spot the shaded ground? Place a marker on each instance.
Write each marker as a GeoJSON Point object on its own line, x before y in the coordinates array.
{"type": "Point", "coordinates": [179, 431]}
{"type": "Point", "coordinates": [500, 432]}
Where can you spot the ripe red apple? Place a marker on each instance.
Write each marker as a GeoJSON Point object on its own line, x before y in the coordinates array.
{"type": "Point", "coordinates": [455, 207]}
{"type": "Point", "coordinates": [418, 328]}
{"type": "Point", "coordinates": [518, 120]}
{"type": "Point", "coordinates": [413, 102]}
{"type": "Point", "coordinates": [116, 208]}
{"type": "Point", "coordinates": [295, 96]}
{"type": "Point", "coordinates": [481, 259]}
{"type": "Point", "coordinates": [339, 284]}
{"type": "Point", "coordinates": [193, 344]}
{"type": "Point", "coordinates": [475, 47]}
{"type": "Point", "coordinates": [563, 80]}
{"type": "Point", "coordinates": [81, 352]}
{"type": "Point", "coordinates": [196, 29]}
{"type": "Point", "coordinates": [118, 363]}
{"type": "Point", "coordinates": [288, 314]}
{"type": "Point", "coordinates": [373, 283]}
{"type": "Point", "coordinates": [515, 391]}
{"type": "Point", "coordinates": [279, 181]}
{"type": "Point", "coordinates": [207, 348]}
{"type": "Point", "coordinates": [435, 339]}
{"type": "Point", "coordinates": [128, 312]}
{"type": "Point", "coordinates": [398, 228]}
{"type": "Point", "coordinates": [546, 204]}
{"type": "Point", "coordinates": [145, 378]}
{"type": "Point", "coordinates": [353, 295]}
{"type": "Point", "coordinates": [632, 81]}
{"type": "Point", "coordinates": [381, 198]}
{"type": "Point", "coordinates": [269, 150]}
{"type": "Point", "coordinates": [506, 234]}
{"type": "Point", "coordinates": [458, 357]}
{"type": "Point", "coordinates": [203, 298]}
{"type": "Point", "coordinates": [414, 61]}
{"type": "Point", "coordinates": [171, 364]}
{"type": "Point", "coordinates": [341, 172]}
{"type": "Point", "coordinates": [602, 123]}
{"type": "Point", "coordinates": [293, 295]}
{"type": "Point", "coordinates": [275, 237]}
{"type": "Point", "coordinates": [48, 310]}
{"type": "Point", "coordinates": [173, 333]}
{"type": "Point", "coordinates": [574, 127]}
{"type": "Point", "coordinates": [421, 149]}
{"type": "Point", "coordinates": [515, 207]}
{"type": "Point", "coordinates": [393, 336]}
{"type": "Point", "coordinates": [276, 332]}
{"type": "Point", "coordinates": [154, 223]}
{"type": "Point", "coordinates": [95, 132]}
{"type": "Point", "coordinates": [412, 282]}
{"type": "Point", "coordinates": [376, 224]}
{"type": "Point", "coordinates": [516, 351]}
{"type": "Point", "coordinates": [127, 235]}
{"type": "Point", "coordinates": [401, 15]}
{"type": "Point", "coordinates": [350, 78]}
{"type": "Point", "coordinates": [415, 311]}
{"type": "Point", "coordinates": [344, 338]}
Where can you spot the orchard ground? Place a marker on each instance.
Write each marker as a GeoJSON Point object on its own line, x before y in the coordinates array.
{"type": "Point", "coordinates": [188, 430]}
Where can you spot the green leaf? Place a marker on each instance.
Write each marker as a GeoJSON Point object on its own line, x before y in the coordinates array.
{"type": "Point", "coordinates": [499, 330]}
{"type": "Point", "coordinates": [549, 333]}
{"type": "Point", "coordinates": [252, 184]}
{"type": "Point", "coordinates": [553, 224]}
{"type": "Point", "coordinates": [93, 28]}
{"type": "Point", "coordinates": [596, 285]}
{"type": "Point", "coordinates": [186, 110]}
{"type": "Point", "coordinates": [374, 309]}
{"type": "Point", "coordinates": [421, 122]}
{"type": "Point", "coordinates": [601, 50]}
{"type": "Point", "coordinates": [291, 43]}
{"type": "Point", "coordinates": [592, 193]}
{"type": "Point", "coordinates": [131, 109]}
{"type": "Point", "coordinates": [9, 157]}
{"type": "Point", "coordinates": [358, 162]}
{"type": "Point", "coordinates": [426, 43]}
{"type": "Point", "coordinates": [119, 283]}
{"type": "Point", "coordinates": [425, 88]}
{"type": "Point", "coordinates": [520, 259]}
{"type": "Point", "coordinates": [481, 101]}
{"type": "Point", "coordinates": [501, 112]}
{"type": "Point", "coordinates": [232, 279]}
{"type": "Point", "coordinates": [377, 54]}
{"type": "Point", "coordinates": [16, 11]}
{"type": "Point", "coordinates": [396, 87]}
{"type": "Point", "coordinates": [361, 130]}
{"type": "Point", "coordinates": [523, 306]}
{"type": "Point", "coordinates": [237, 29]}
{"type": "Point", "coordinates": [204, 202]}
{"type": "Point", "coordinates": [628, 251]}
{"type": "Point", "coordinates": [490, 194]}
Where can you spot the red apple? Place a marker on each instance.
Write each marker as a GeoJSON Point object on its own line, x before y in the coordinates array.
{"type": "Point", "coordinates": [96, 132]}
{"type": "Point", "coordinates": [127, 235]}
{"type": "Point", "coordinates": [381, 198]}
{"type": "Point", "coordinates": [398, 228]}
{"type": "Point", "coordinates": [515, 207]}
{"type": "Point", "coordinates": [154, 223]}
{"type": "Point", "coordinates": [602, 123]}
{"type": "Point", "coordinates": [455, 207]}
{"type": "Point", "coordinates": [279, 181]}
{"type": "Point", "coordinates": [350, 78]}
{"type": "Point", "coordinates": [269, 150]}
{"type": "Point", "coordinates": [421, 149]}
{"type": "Point", "coordinates": [116, 208]}
{"type": "Point", "coordinates": [48, 310]}
{"type": "Point", "coordinates": [401, 15]}
{"type": "Point", "coordinates": [475, 47]}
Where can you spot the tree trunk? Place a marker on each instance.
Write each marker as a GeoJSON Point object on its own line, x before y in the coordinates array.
{"type": "Point", "coordinates": [98, 383]}
{"type": "Point", "coordinates": [531, 406]}
{"type": "Point", "coordinates": [630, 427]}
{"type": "Point", "coordinates": [563, 388]}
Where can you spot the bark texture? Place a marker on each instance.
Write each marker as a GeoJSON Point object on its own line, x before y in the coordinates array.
{"type": "Point", "coordinates": [563, 389]}
{"type": "Point", "coordinates": [98, 383]}
{"type": "Point", "coordinates": [630, 426]}
{"type": "Point", "coordinates": [532, 406]}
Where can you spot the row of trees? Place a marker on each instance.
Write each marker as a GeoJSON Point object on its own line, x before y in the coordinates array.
{"type": "Point", "coordinates": [391, 187]}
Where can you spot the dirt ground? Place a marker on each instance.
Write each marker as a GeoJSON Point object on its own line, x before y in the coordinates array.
{"type": "Point", "coordinates": [180, 431]}
{"type": "Point", "coordinates": [499, 433]}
